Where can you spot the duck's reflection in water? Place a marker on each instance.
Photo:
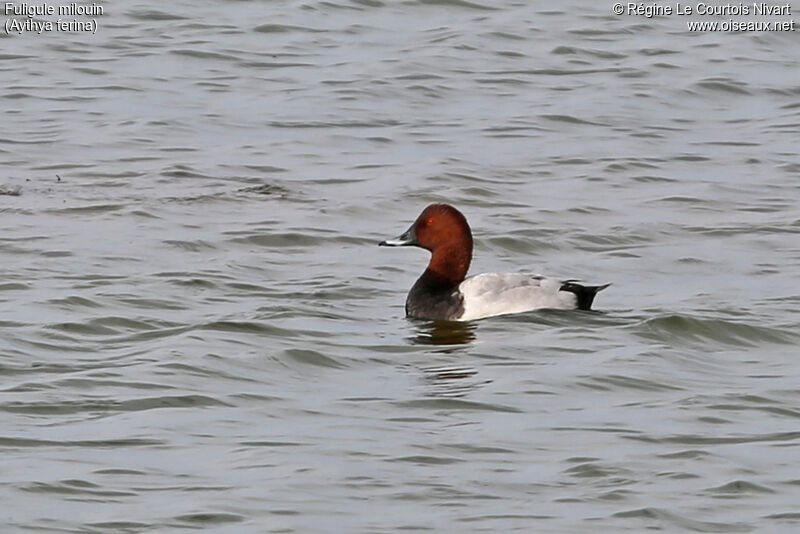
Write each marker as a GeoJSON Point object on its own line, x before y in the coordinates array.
{"type": "Point", "coordinates": [452, 381]}
{"type": "Point", "coordinates": [450, 336]}
{"type": "Point", "coordinates": [444, 333]}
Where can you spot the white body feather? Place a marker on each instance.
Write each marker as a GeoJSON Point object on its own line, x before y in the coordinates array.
{"type": "Point", "coordinates": [489, 294]}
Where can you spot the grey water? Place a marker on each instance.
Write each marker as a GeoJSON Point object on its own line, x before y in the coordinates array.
{"type": "Point", "coordinates": [198, 330]}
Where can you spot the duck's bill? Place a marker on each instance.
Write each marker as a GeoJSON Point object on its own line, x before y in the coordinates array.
{"type": "Point", "coordinates": [407, 238]}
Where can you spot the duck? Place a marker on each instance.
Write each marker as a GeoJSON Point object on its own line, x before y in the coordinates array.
{"type": "Point", "coordinates": [444, 292]}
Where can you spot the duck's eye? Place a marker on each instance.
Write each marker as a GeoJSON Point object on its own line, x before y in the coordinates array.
{"type": "Point", "coordinates": [429, 222]}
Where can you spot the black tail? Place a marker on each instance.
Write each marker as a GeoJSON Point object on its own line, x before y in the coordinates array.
{"type": "Point", "coordinates": [585, 294]}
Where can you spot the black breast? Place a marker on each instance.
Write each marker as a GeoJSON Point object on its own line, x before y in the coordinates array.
{"type": "Point", "coordinates": [428, 300]}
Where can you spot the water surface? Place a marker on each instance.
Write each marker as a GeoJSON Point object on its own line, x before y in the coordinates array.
{"type": "Point", "coordinates": [200, 332]}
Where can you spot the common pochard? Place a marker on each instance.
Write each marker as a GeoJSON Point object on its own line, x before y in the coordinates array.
{"type": "Point", "coordinates": [443, 292]}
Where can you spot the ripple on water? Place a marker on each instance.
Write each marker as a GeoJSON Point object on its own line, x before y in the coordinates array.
{"type": "Point", "coordinates": [75, 487]}
{"type": "Point", "coordinates": [738, 488]}
{"type": "Point", "coordinates": [153, 15]}
{"type": "Point", "coordinates": [683, 329]}
{"type": "Point", "coordinates": [451, 405]}
{"type": "Point", "coordinates": [210, 518]}
{"type": "Point", "coordinates": [313, 357]}
{"type": "Point", "coordinates": [647, 515]}
{"type": "Point", "coordinates": [107, 406]}
{"type": "Point", "coordinates": [20, 443]}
